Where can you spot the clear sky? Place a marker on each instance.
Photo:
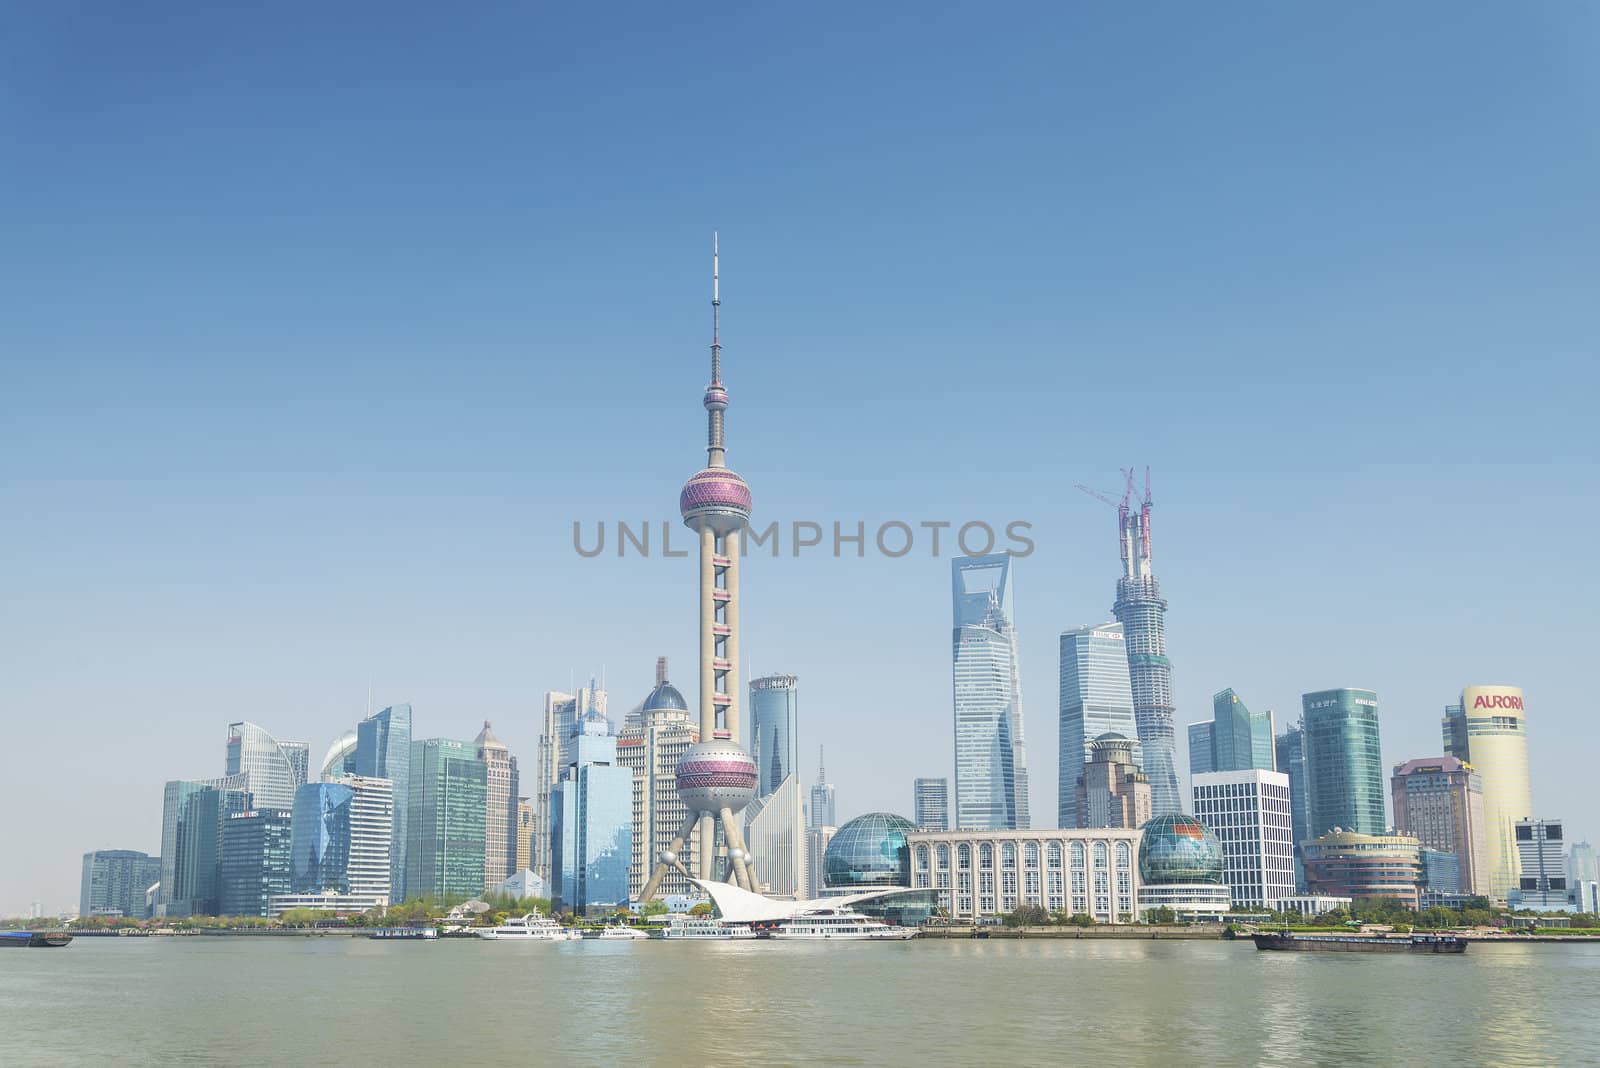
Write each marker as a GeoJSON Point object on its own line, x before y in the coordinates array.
{"type": "Point", "coordinates": [320, 327]}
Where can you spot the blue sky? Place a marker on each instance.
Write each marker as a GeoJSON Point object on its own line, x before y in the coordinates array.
{"type": "Point", "coordinates": [319, 329]}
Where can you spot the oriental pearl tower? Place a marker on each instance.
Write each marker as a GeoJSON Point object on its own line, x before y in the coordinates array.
{"type": "Point", "coordinates": [716, 777]}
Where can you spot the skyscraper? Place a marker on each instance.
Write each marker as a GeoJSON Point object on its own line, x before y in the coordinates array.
{"type": "Point", "coordinates": [499, 812]}
{"type": "Point", "coordinates": [1096, 699]}
{"type": "Point", "coordinates": [272, 770]}
{"type": "Point", "coordinates": [562, 712]}
{"type": "Point", "coordinates": [1290, 754]}
{"type": "Point", "coordinates": [1541, 866]}
{"type": "Point", "coordinates": [254, 861]}
{"type": "Point", "coordinates": [340, 760]}
{"type": "Point", "coordinates": [372, 808]}
{"type": "Point", "coordinates": [115, 881]}
{"type": "Point", "coordinates": [319, 839]}
{"type": "Point", "coordinates": [1143, 613]}
{"type": "Point", "coordinates": [716, 776]}
{"type": "Point", "coordinates": [1489, 731]}
{"type": "Point", "coordinates": [774, 729]}
{"type": "Point", "coordinates": [820, 813]}
{"type": "Point", "coordinates": [1439, 802]}
{"type": "Point", "coordinates": [930, 802]}
{"type": "Point", "coordinates": [1112, 791]}
{"type": "Point", "coordinates": [991, 761]}
{"type": "Point", "coordinates": [650, 746]}
{"type": "Point", "coordinates": [591, 830]}
{"type": "Point", "coordinates": [1236, 739]}
{"type": "Point", "coordinates": [383, 751]}
{"type": "Point", "coordinates": [523, 860]}
{"type": "Point", "coordinates": [775, 828]}
{"type": "Point", "coordinates": [299, 756]}
{"type": "Point", "coordinates": [445, 824]}
{"type": "Point", "coordinates": [1344, 768]}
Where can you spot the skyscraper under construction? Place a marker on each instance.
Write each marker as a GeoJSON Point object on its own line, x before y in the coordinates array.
{"type": "Point", "coordinates": [1142, 613]}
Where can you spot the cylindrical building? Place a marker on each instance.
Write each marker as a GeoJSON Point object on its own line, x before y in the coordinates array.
{"type": "Point", "coordinates": [1498, 743]}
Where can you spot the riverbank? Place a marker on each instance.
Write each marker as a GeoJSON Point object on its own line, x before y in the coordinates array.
{"type": "Point", "coordinates": [1147, 932]}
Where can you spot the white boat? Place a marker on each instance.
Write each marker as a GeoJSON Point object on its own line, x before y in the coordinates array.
{"type": "Point", "coordinates": [530, 928]}
{"type": "Point", "coordinates": [705, 927]}
{"type": "Point", "coordinates": [832, 925]}
{"type": "Point", "coordinates": [623, 933]}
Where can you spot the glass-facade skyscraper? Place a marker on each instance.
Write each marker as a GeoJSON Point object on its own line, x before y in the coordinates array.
{"type": "Point", "coordinates": [445, 823]}
{"type": "Point", "coordinates": [991, 759]}
{"type": "Point", "coordinates": [591, 828]}
{"type": "Point", "coordinates": [774, 729]}
{"type": "Point", "coordinates": [383, 751]}
{"type": "Point", "coordinates": [319, 850]}
{"type": "Point", "coordinates": [254, 861]}
{"type": "Point", "coordinates": [272, 771]}
{"type": "Point", "coordinates": [192, 812]}
{"type": "Point", "coordinates": [1290, 753]}
{"type": "Point", "coordinates": [1344, 768]}
{"type": "Point", "coordinates": [1236, 739]}
{"type": "Point", "coordinates": [1096, 699]}
{"type": "Point", "coordinates": [820, 813]}
{"type": "Point", "coordinates": [115, 881]}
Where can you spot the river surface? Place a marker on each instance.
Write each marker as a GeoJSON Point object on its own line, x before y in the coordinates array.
{"type": "Point", "coordinates": [305, 1001]}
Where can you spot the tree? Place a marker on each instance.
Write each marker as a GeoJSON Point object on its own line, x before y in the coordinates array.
{"type": "Point", "coordinates": [1080, 919]}
{"type": "Point", "coordinates": [1161, 915]}
{"type": "Point", "coordinates": [653, 908]}
{"type": "Point", "coordinates": [1027, 916]}
{"type": "Point", "coordinates": [702, 909]}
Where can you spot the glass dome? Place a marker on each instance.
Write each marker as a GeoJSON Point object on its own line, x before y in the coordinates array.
{"type": "Point", "coordinates": [869, 851]}
{"type": "Point", "coordinates": [1179, 849]}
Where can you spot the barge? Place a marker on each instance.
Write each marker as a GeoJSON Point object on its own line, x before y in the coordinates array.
{"type": "Point", "coordinates": [1334, 943]}
{"type": "Point", "coordinates": [35, 939]}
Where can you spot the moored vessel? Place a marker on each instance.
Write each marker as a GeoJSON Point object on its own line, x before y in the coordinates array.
{"type": "Point", "coordinates": [622, 932]}
{"type": "Point", "coordinates": [35, 939]}
{"type": "Point", "coordinates": [533, 927]}
{"type": "Point", "coordinates": [1338, 943]}
{"type": "Point", "coordinates": [832, 925]}
{"type": "Point", "coordinates": [705, 927]}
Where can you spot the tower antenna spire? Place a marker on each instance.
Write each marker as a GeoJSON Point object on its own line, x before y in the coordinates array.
{"type": "Point", "coordinates": [716, 315]}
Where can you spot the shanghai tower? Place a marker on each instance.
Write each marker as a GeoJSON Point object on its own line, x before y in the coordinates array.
{"type": "Point", "coordinates": [1143, 613]}
{"type": "Point", "coordinates": [716, 777]}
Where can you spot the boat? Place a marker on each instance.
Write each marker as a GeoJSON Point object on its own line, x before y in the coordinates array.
{"type": "Point", "coordinates": [832, 925]}
{"type": "Point", "coordinates": [621, 932]}
{"type": "Point", "coordinates": [403, 933]}
{"type": "Point", "coordinates": [534, 927]}
{"type": "Point", "coordinates": [35, 939]}
{"type": "Point", "coordinates": [1338, 943]}
{"type": "Point", "coordinates": [705, 927]}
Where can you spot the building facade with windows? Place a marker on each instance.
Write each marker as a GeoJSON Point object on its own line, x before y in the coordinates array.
{"type": "Point", "coordinates": [1181, 869]}
{"type": "Point", "coordinates": [255, 860]}
{"type": "Point", "coordinates": [930, 804]}
{"type": "Point", "coordinates": [371, 837]}
{"type": "Point", "coordinates": [649, 746]}
{"type": "Point", "coordinates": [1289, 751]}
{"type": "Point", "coordinates": [1364, 866]}
{"type": "Point", "coordinates": [115, 881]}
{"type": "Point", "coordinates": [272, 770]}
{"type": "Point", "coordinates": [1542, 867]}
{"type": "Point", "coordinates": [383, 751]}
{"type": "Point", "coordinates": [1439, 802]}
{"type": "Point", "coordinates": [991, 758]}
{"type": "Point", "coordinates": [1096, 699]}
{"type": "Point", "coordinates": [774, 829]}
{"type": "Point", "coordinates": [1344, 763]}
{"type": "Point", "coordinates": [319, 849]}
{"type": "Point", "coordinates": [1236, 739]}
{"type": "Point", "coordinates": [499, 808]}
{"type": "Point", "coordinates": [990, 873]}
{"type": "Point", "coordinates": [1249, 811]}
{"type": "Point", "coordinates": [1112, 791]}
{"type": "Point", "coordinates": [1488, 730]}
{"type": "Point", "coordinates": [445, 822]}
{"type": "Point", "coordinates": [774, 730]}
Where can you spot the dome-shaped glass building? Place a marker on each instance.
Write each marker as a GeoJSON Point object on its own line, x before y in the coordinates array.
{"type": "Point", "coordinates": [869, 851]}
{"type": "Point", "coordinates": [1180, 867]}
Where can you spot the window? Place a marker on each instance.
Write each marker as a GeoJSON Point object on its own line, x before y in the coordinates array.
{"type": "Point", "coordinates": [922, 856]}
{"type": "Point", "coordinates": [1077, 855]}
{"type": "Point", "coordinates": [964, 856]}
{"type": "Point", "coordinates": [986, 856]}
{"type": "Point", "coordinates": [1053, 854]}
{"type": "Point", "coordinates": [943, 855]}
{"type": "Point", "coordinates": [1008, 855]}
{"type": "Point", "coordinates": [1524, 833]}
{"type": "Point", "coordinates": [1030, 855]}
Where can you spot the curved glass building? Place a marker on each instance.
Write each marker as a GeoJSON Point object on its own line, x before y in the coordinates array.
{"type": "Point", "coordinates": [319, 838]}
{"type": "Point", "coordinates": [869, 851]}
{"type": "Point", "coordinates": [1344, 764]}
{"type": "Point", "coordinates": [1180, 867]}
{"type": "Point", "coordinates": [774, 708]}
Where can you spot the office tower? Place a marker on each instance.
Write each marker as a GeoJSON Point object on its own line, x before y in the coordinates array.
{"type": "Point", "coordinates": [1112, 791]}
{"type": "Point", "coordinates": [931, 804]}
{"type": "Point", "coordinates": [272, 770]}
{"type": "Point", "coordinates": [523, 861]}
{"type": "Point", "coordinates": [591, 829]}
{"type": "Point", "coordinates": [775, 828]}
{"type": "Point", "coordinates": [820, 813]}
{"type": "Point", "coordinates": [299, 756]}
{"type": "Point", "coordinates": [1364, 866]}
{"type": "Point", "coordinates": [372, 808]}
{"type": "Point", "coordinates": [319, 839]}
{"type": "Point", "coordinates": [1441, 872]}
{"type": "Point", "coordinates": [1142, 612]}
{"type": "Point", "coordinates": [650, 746]}
{"type": "Point", "coordinates": [1236, 739]}
{"type": "Point", "coordinates": [1290, 757]}
{"type": "Point", "coordinates": [1096, 699]}
{"type": "Point", "coordinates": [991, 768]}
{"type": "Point", "coordinates": [1583, 867]}
{"type": "Point", "coordinates": [340, 760]}
{"type": "Point", "coordinates": [383, 751]}
{"type": "Point", "coordinates": [562, 712]}
{"type": "Point", "coordinates": [1542, 866]}
{"type": "Point", "coordinates": [1439, 802]}
{"type": "Point", "coordinates": [114, 882]}
{"type": "Point", "coordinates": [1249, 811]}
{"type": "Point", "coordinates": [716, 777]}
{"type": "Point", "coordinates": [774, 729]}
{"type": "Point", "coordinates": [445, 824]}
{"type": "Point", "coordinates": [1488, 730]}
{"type": "Point", "coordinates": [254, 860]}
{"type": "Point", "coordinates": [1344, 769]}
{"type": "Point", "coordinates": [817, 841]}
{"type": "Point", "coordinates": [191, 838]}
{"type": "Point", "coordinates": [500, 813]}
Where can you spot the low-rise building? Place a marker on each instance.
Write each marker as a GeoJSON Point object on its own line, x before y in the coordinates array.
{"type": "Point", "coordinates": [990, 873]}
{"type": "Point", "coordinates": [1364, 866]}
{"type": "Point", "coordinates": [1181, 868]}
{"type": "Point", "coordinates": [1309, 905]}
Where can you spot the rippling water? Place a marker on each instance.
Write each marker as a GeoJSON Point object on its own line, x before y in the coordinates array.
{"type": "Point", "coordinates": [331, 1000]}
